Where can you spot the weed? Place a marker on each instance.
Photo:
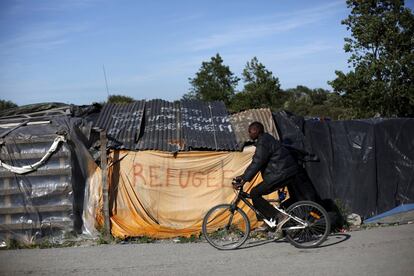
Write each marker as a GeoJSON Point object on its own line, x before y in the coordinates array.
{"type": "Point", "coordinates": [192, 238]}
{"type": "Point", "coordinates": [142, 239]}
{"type": "Point", "coordinates": [342, 207]}
{"type": "Point", "coordinates": [11, 244]}
{"type": "Point", "coordinates": [342, 212]}
{"type": "Point", "coordinates": [135, 240]}
{"type": "Point", "coordinates": [104, 237]}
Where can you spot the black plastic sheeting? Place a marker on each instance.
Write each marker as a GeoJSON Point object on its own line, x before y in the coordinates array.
{"type": "Point", "coordinates": [290, 128]}
{"type": "Point", "coordinates": [394, 139]}
{"type": "Point", "coordinates": [365, 166]}
{"type": "Point", "coordinates": [347, 167]}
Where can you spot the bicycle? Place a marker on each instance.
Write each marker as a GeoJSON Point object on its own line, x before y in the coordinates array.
{"type": "Point", "coordinates": [226, 226]}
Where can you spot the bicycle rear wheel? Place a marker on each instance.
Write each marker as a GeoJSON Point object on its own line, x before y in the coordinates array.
{"type": "Point", "coordinates": [318, 228]}
{"type": "Point", "coordinates": [225, 228]}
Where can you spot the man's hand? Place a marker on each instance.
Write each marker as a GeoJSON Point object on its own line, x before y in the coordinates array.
{"type": "Point", "coordinates": [238, 182]}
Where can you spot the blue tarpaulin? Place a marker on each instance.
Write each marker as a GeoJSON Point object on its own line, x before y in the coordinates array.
{"type": "Point", "coordinates": [397, 210]}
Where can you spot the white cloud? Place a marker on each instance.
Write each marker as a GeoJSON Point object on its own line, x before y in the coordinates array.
{"type": "Point", "coordinates": [262, 27]}
{"type": "Point", "coordinates": [275, 55]}
{"type": "Point", "coordinates": [300, 51]}
{"type": "Point", "coordinates": [164, 70]}
{"type": "Point", "coordinates": [20, 8]}
{"type": "Point", "coordinates": [57, 6]}
{"type": "Point", "coordinates": [41, 37]}
{"type": "Point", "coordinates": [185, 19]}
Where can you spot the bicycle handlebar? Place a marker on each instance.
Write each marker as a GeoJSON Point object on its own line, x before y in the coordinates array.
{"type": "Point", "coordinates": [237, 185]}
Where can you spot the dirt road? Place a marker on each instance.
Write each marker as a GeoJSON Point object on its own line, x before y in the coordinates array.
{"type": "Point", "coordinates": [378, 251]}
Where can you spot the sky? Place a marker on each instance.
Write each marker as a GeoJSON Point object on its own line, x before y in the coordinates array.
{"type": "Point", "coordinates": [56, 51]}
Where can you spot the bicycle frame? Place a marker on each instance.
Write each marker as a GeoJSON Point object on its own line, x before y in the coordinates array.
{"type": "Point", "coordinates": [243, 196]}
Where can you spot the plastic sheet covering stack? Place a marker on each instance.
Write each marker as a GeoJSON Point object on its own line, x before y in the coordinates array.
{"type": "Point", "coordinates": [40, 203]}
{"type": "Point", "coordinates": [241, 121]}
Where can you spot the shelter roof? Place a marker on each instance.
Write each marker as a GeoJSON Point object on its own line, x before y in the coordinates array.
{"type": "Point", "coordinates": [155, 124]}
{"type": "Point", "coordinates": [168, 126]}
{"type": "Point", "coordinates": [122, 123]}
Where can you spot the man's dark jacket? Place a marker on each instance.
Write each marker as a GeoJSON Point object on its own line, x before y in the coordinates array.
{"type": "Point", "coordinates": [272, 159]}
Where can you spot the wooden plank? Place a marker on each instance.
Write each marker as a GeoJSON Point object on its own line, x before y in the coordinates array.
{"type": "Point", "coordinates": [7, 202]}
{"type": "Point", "coordinates": [105, 186]}
{"type": "Point", "coordinates": [48, 172]}
{"type": "Point", "coordinates": [26, 156]}
{"type": "Point", "coordinates": [32, 140]}
{"type": "Point", "coordinates": [35, 209]}
{"type": "Point", "coordinates": [29, 226]}
{"type": "Point", "coordinates": [55, 191]}
{"type": "Point", "coordinates": [37, 115]}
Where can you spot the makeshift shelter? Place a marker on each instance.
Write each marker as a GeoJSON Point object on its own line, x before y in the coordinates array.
{"type": "Point", "coordinates": [173, 162]}
{"type": "Point", "coordinates": [169, 162]}
{"type": "Point", "coordinates": [166, 163]}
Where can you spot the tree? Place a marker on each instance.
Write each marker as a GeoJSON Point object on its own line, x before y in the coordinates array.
{"type": "Point", "coordinates": [6, 105]}
{"type": "Point", "coordinates": [315, 103]}
{"type": "Point", "coordinates": [261, 88]}
{"type": "Point", "coordinates": [382, 58]}
{"type": "Point", "coordinates": [298, 100]}
{"type": "Point", "coordinates": [318, 96]}
{"type": "Point", "coordinates": [119, 99]}
{"type": "Point", "coordinates": [213, 82]}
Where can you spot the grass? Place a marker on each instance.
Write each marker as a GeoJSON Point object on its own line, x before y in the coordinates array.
{"type": "Point", "coordinates": [344, 211]}
{"type": "Point", "coordinates": [191, 239]}
{"type": "Point", "coordinates": [105, 237]}
{"type": "Point", "coordinates": [41, 244]}
{"type": "Point", "coordinates": [138, 240]}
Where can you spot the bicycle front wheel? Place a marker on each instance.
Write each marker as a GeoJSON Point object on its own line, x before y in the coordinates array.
{"type": "Point", "coordinates": [318, 228]}
{"type": "Point", "coordinates": [225, 228]}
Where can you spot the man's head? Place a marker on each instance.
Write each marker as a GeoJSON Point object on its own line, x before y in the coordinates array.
{"type": "Point", "coordinates": [255, 129]}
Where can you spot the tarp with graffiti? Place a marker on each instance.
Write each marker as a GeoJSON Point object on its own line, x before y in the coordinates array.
{"type": "Point", "coordinates": [163, 195]}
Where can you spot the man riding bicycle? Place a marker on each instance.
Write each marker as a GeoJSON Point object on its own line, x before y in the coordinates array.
{"type": "Point", "coordinates": [276, 165]}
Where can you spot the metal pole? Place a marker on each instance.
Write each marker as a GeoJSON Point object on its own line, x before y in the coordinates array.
{"type": "Point", "coordinates": [106, 81]}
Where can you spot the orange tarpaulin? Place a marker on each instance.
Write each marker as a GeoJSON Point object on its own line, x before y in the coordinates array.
{"type": "Point", "coordinates": [164, 195]}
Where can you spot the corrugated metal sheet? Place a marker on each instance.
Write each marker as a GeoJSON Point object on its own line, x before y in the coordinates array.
{"type": "Point", "coordinates": [207, 126]}
{"type": "Point", "coordinates": [122, 123]}
{"type": "Point", "coordinates": [161, 127]}
{"type": "Point", "coordinates": [179, 126]}
{"type": "Point", "coordinates": [241, 121]}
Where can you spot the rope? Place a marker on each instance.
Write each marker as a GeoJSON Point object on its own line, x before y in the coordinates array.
{"type": "Point", "coordinates": [35, 166]}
